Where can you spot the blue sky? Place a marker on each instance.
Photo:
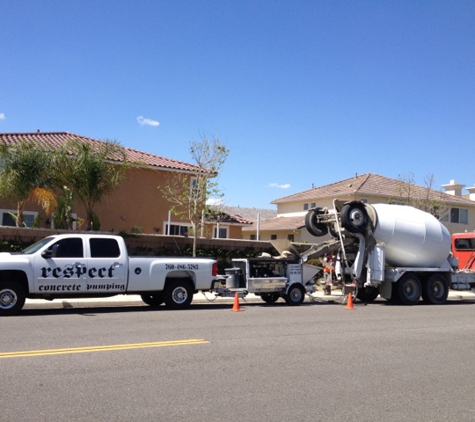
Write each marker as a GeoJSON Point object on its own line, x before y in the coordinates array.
{"type": "Point", "coordinates": [301, 92]}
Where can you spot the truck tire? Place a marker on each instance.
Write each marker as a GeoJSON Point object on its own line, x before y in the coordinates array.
{"type": "Point", "coordinates": [295, 295]}
{"type": "Point", "coordinates": [270, 297]}
{"type": "Point", "coordinates": [12, 298]}
{"type": "Point", "coordinates": [409, 289]}
{"type": "Point", "coordinates": [178, 294]}
{"type": "Point", "coordinates": [314, 228]}
{"type": "Point", "coordinates": [354, 217]}
{"type": "Point", "coordinates": [153, 300]}
{"type": "Point", "coordinates": [367, 294]}
{"type": "Point", "coordinates": [435, 290]}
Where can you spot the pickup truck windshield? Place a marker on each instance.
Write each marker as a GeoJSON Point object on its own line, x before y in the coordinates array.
{"type": "Point", "coordinates": [36, 246]}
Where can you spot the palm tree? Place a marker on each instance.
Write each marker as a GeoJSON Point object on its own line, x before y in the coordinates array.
{"type": "Point", "coordinates": [25, 176]}
{"type": "Point", "coordinates": [90, 171]}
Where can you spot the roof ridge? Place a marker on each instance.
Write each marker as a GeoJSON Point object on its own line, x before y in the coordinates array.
{"type": "Point", "coordinates": [368, 175]}
{"type": "Point", "coordinates": [155, 155]}
{"type": "Point", "coordinates": [326, 187]}
{"type": "Point", "coordinates": [55, 139]}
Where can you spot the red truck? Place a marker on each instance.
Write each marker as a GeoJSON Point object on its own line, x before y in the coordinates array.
{"type": "Point", "coordinates": [463, 248]}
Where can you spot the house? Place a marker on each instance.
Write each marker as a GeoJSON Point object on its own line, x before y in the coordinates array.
{"type": "Point", "coordinates": [457, 211]}
{"type": "Point", "coordinates": [137, 203]}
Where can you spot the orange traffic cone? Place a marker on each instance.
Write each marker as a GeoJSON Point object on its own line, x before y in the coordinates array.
{"type": "Point", "coordinates": [236, 307]}
{"type": "Point", "coordinates": [349, 305]}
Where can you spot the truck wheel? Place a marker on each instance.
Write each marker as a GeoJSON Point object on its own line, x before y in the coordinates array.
{"type": "Point", "coordinates": [314, 228]}
{"type": "Point", "coordinates": [12, 298]}
{"type": "Point", "coordinates": [270, 297]}
{"type": "Point", "coordinates": [435, 290]}
{"type": "Point", "coordinates": [354, 217]}
{"type": "Point", "coordinates": [367, 294]}
{"type": "Point", "coordinates": [178, 294]}
{"type": "Point", "coordinates": [409, 289]}
{"type": "Point", "coordinates": [153, 300]}
{"type": "Point", "coordinates": [295, 295]}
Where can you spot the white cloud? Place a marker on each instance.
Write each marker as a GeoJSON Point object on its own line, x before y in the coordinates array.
{"type": "Point", "coordinates": [276, 185]}
{"type": "Point", "coordinates": [214, 201]}
{"type": "Point", "coordinates": [144, 121]}
{"type": "Point", "coordinates": [2, 116]}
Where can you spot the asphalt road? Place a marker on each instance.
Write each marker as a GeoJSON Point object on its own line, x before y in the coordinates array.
{"type": "Point", "coordinates": [316, 362]}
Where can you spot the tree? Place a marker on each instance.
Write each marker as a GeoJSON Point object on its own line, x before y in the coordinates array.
{"type": "Point", "coordinates": [188, 193]}
{"type": "Point", "coordinates": [26, 176]}
{"type": "Point", "coordinates": [424, 198]}
{"type": "Point", "coordinates": [63, 215]}
{"type": "Point", "coordinates": [90, 172]}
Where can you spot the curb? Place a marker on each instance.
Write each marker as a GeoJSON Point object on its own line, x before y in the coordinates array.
{"type": "Point", "coordinates": [135, 300]}
{"type": "Point", "coordinates": [123, 300]}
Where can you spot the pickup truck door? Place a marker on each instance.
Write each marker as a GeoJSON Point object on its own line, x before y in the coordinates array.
{"type": "Point", "coordinates": [106, 266]}
{"type": "Point", "coordinates": [61, 268]}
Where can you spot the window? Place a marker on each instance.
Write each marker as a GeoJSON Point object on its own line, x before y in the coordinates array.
{"type": "Point", "coordinates": [305, 207]}
{"type": "Point", "coordinates": [36, 246]}
{"type": "Point", "coordinates": [104, 248]}
{"type": "Point", "coordinates": [465, 244]}
{"type": "Point", "coordinates": [290, 237]}
{"type": "Point", "coordinates": [313, 205]}
{"type": "Point", "coordinates": [177, 230]}
{"type": "Point", "coordinates": [459, 215]}
{"type": "Point", "coordinates": [253, 237]}
{"type": "Point", "coordinates": [29, 219]}
{"type": "Point", "coordinates": [221, 234]}
{"type": "Point", "coordinates": [8, 219]}
{"type": "Point", "coordinates": [273, 237]}
{"type": "Point", "coordinates": [68, 248]}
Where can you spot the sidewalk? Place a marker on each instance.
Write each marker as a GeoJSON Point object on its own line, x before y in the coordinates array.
{"type": "Point", "coordinates": [135, 300]}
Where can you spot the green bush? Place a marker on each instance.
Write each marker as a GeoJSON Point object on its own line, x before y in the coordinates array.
{"type": "Point", "coordinates": [15, 245]}
{"type": "Point", "coordinates": [136, 229]}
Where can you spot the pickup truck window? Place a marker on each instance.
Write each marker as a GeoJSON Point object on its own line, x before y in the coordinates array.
{"type": "Point", "coordinates": [104, 248]}
{"type": "Point", "coordinates": [68, 248]}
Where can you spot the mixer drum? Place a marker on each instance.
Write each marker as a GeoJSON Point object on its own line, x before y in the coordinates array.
{"type": "Point", "coordinates": [413, 238]}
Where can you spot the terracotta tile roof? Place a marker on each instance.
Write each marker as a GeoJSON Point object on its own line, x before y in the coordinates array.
{"type": "Point", "coordinates": [56, 139]}
{"type": "Point", "coordinates": [279, 223]}
{"type": "Point", "coordinates": [369, 184]}
{"type": "Point", "coordinates": [236, 219]}
{"type": "Point", "coordinates": [250, 213]}
{"type": "Point", "coordinates": [223, 216]}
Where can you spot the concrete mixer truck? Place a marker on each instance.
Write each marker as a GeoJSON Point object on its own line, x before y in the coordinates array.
{"type": "Point", "coordinates": [396, 251]}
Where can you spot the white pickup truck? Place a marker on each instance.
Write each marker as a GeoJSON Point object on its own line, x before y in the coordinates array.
{"type": "Point", "coordinates": [88, 265]}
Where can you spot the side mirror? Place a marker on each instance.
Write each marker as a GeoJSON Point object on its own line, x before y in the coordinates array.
{"type": "Point", "coordinates": [50, 253]}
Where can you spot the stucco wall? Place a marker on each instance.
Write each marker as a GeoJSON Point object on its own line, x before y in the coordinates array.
{"type": "Point", "coordinates": [138, 201]}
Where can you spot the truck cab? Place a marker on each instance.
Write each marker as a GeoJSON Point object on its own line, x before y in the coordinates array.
{"type": "Point", "coordinates": [463, 248]}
